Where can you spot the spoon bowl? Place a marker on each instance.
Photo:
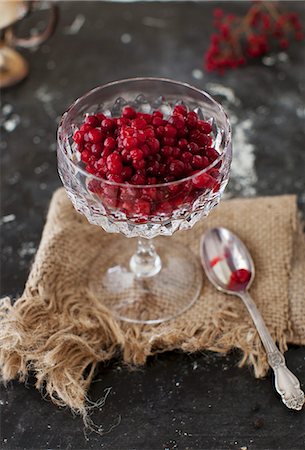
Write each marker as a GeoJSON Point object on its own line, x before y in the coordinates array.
{"type": "Point", "coordinates": [225, 258]}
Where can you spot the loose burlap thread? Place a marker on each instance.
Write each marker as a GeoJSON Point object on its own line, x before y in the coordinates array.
{"type": "Point", "coordinates": [60, 331]}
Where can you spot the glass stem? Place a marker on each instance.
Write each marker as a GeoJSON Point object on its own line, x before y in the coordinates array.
{"type": "Point", "coordinates": [145, 262]}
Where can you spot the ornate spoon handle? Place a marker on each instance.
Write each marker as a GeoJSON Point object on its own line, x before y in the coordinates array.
{"type": "Point", "coordinates": [286, 383]}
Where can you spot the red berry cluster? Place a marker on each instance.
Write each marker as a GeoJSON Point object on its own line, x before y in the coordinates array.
{"type": "Point", "coordinates": [239, 279]}
{"type": "Point", "coordinates": [254, 35]}
{"type": "Point", "coordinates": [147, 149]}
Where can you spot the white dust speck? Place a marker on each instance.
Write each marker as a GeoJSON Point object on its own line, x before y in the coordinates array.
{"type": "Point", "coordinates": [27, 248]}
{"type": "Point", "coordinates": [10, 124]}
{"type": "Point", "coordinates": [7, 110]}
{"type": "Point", "coordinates": [39, 169]}
{"type": "Point", "coordinates": [279, 120]}
{"type": "Point", "coordinates": [46, 97]}
{"type": "Point", "coordinates": [43, 94]}
{"type": "Point", "coordinates": [154, 22]}
{"type": "Point", "coordinates": [283, 56]}
{"type": "Point", "coordinates": [126, 38]}
{"type": "Point", "coordinates": [13, 179]}
{"type": "Point", "coordinates": [7, 219]}
{"type": "Point", "coordinates": [197, 74]}
{"type": "Point", "coordinates": [300, 112]}
{"type": "Point", "coordinates": [1, 402]}
{"type": "Point", "coordinates": [195, 365]}
{"type": "Point", "coordinates": [5, 440]}
{"type": "Point", "coordinates": [76, 25]}
{"type": "Point", "coordinates": [269, 60]}
{"type": "Point", "coordinates": [225, 91]}
{"type": "Point", "coordinates": [262, 110]}
{"type": "Point", "coordinates": [49, 426]}
{"type": "Point", "coordinates": [36, 140]}
{"type": "Point", "coordinates": [243, 172]}
{"type": "Point", "coordinates": [53, 147]}
{"type": "Point", "coordinates": [177, 384]}
{"type": "Point", "coordinates": [51, 65]}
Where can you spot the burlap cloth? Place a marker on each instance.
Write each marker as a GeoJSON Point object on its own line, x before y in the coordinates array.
{"type": "Point", "coordinates": [61, 332]}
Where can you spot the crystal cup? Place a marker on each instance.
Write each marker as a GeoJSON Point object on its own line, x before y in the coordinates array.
{"type": "Point", "coordinates": [146, 280]}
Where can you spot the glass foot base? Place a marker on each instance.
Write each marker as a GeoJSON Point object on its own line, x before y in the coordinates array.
{"type": "Point", "coordinates": [152, 299]}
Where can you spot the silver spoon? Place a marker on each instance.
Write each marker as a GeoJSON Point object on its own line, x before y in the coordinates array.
{"type": "Point", "coordinates": [230, 268]}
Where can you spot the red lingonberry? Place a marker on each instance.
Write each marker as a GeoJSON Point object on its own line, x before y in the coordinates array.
{"type": "Point", "coordinates": [92, 121]}
{"type": "Point", "coordinates": [142, 206]}
{"type": "Point", "coordinates": [121, 122]}
{"type": "Point", "coordinates": [153, 168]}
{"type": "Point", "coordinates": [115, 178]}
{"type": "Point", "coordinates": [199, 162]}
{"type": "Point", "coordinates": [96, 149]}
{"type": "Point", "coordinates": [203, 180]}
{"type": "Point", "coordinates": [138, 179]}
{"type": "Point", "coordinates": [186, 156]}
{"type": "Point", "coordinates": [176, 168]}
{"type": "Point", "coordinates": [107, 124]}
{"type": "Point", "coordinates": [170, 131]}
{"type": "Point", "coordinates": [85, 155]}
{"type": "Point", "coordinates": [153, 144]}
{"type": "Point", "coordinates": [128, 112]}
{"type": "Point", "coordinates": [177, 121]}
{"type": "Point", "coordinates": [205, 127]}
{"type": "Point", "coordinates": [192, 119]}
{"type": "Point", "coordinates": [78, 137]}
{"type": "Point", "coordinates": [114, 163]}
{"type": "Point", "coordinates": [193, 147]}
{"type": "Point", "coordinates": [158, 121]}
{"type": "Point", "coordinates": [100, 117]}
{"type": "Point", "coordinates": [130, 143]}
{"type": "Point", "coordinates": [157, 114]}
{"type": "Point", "coordinates": [95, 135]}
{"type": "Point", "coordinates": [126, 173]}
{"type": "Point", "coordinates": [180, 109]}
{"type": "Point", "coordinates": [138, 164]}
{"type": "Point", "coordinates": [138, 123]}
{"type": "Point", "coordinates": [169, 141]}
{"type": "Point", "coordinates": [110, 143]}
{"type": "Point", "coordinates": [136, 154]}
{"type": "Point", "coordinates": [182, 143]}
{"type": "Point", "coordinates": [151, 180]}
{"type": "Point", "coordinates": [90, 169]}
{"type": "Point", "coordinates": [149, 132]}
{"type": "Point", "coordinates": [85, 127]}
{"type": "Point", "coordinates": [160, 131]}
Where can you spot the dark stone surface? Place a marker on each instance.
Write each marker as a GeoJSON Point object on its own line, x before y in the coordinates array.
{"type": "Point", "coordinates": [177, 401]}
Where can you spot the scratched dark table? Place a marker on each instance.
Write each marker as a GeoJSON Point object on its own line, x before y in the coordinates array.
{"type": "Point", "coordinates": [177, 401]}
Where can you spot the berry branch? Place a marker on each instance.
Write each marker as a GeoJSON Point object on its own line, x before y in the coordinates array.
{"type": "Point", "coordinates": [238, 39]}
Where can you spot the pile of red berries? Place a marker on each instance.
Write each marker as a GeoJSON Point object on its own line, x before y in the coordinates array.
{"type": "Point", "coordinates": [147, 149]}
{"type": "Point", "coordinates": [254, 35]}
